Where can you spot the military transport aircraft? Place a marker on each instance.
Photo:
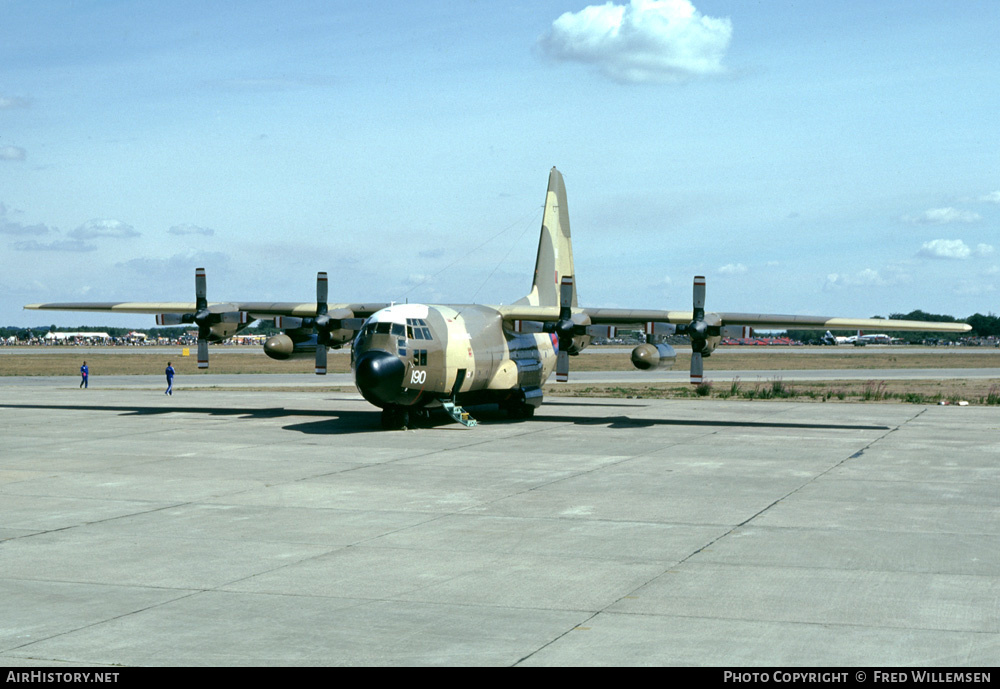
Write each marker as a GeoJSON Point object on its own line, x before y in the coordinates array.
{"type": "Point", "coordinates": [410, 358]}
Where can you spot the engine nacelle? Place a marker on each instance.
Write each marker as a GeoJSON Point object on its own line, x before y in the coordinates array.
{"type": "Point", "coordinates": [649, 357]}
{"type": "Point", "coordinates": [228, 323]}
{"type": "Point", "coordinates": [710, 344]}
{"type": "Point", "coordinates": [580, 342]}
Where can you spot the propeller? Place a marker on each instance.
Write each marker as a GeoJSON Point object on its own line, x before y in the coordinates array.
{"type": "Point", "coordinates": [564, 329]}
{"type": "Point", "coordinates": [325, 324]}
{"type": "Point", "coordinates": [204, 316]}
{"type": "Point", "coordinates": [699, 330]}
{"type": "Point", "coordinates": [322, 323]}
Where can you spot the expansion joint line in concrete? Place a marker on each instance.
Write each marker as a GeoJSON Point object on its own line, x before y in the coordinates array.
{"type": "Point", "coordinates": [728, 532]}
{"type": "Point", "coordinates": [123, 615]}
{"type": "Point", "coordinates": [98, 521]}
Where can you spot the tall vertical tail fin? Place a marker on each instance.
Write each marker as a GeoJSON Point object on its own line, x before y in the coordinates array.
{"type": "Point", "coordinates": [555, 248]}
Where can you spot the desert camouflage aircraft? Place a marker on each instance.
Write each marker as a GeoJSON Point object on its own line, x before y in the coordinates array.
{"type": "Point", "coordinates": [410, 358]}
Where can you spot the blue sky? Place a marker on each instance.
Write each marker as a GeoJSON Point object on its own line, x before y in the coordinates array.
{"type": "Point", "coordinates": [825, 158]}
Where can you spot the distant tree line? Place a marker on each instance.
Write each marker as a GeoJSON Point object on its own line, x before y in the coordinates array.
{"type": "Point", "coordinates": [173, 333]}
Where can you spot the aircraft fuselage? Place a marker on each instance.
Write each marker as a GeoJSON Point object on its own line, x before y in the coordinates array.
{"type": "Point", "coordinates": [417, 356]}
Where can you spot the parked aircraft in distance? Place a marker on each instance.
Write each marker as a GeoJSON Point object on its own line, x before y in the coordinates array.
{"type": "Point", "coordinates": [858, 340]}
{"type": "Point", "coordinates": [876, 339]}
{"type": "Point", "coordinates": [410, 358]}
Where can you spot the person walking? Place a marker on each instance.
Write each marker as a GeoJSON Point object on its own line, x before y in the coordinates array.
{"type": "Point", "coordinates": [84, 375]}
{"type": "Point", "coordinates": [170, 380]}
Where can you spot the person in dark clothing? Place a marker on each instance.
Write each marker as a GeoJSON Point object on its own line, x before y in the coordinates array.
{"type": "Point", "coordinates": [84, 375]}
{"type": "Point", "coordinates": [170, 380]}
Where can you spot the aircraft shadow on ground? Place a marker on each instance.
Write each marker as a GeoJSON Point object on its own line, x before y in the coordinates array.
{"type": "Point", "coordinates": [367, 420]}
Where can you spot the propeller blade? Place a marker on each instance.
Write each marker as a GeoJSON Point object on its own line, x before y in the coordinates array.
{"type": "Point", "coordinates": [287, 322]}
{"type": "Point", "coordinates": [566, 298]}
{"type": "Point", "coordinates": [699, 293]}
{"type": "Point", "coordinates": [322, 290]}
{"type": "Point", "coordinates": [241, 317]}
{"type": "Point", "coordinates": [320, 359]}
{"type": "Point", "coordinates": [202, 353]}
{"type": "Point", "coordinates": [169, 319]}
{"type": "Point", "coordinates": [200, 290]}
{"type": "Point", "coordinates": [322, 322]}
{"type": "Point", "coordinates": [697, 368]}
{"type": "Point", "coordinates": [562, 367]}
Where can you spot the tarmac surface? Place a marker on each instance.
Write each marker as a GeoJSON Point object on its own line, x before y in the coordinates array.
{"type": "Point", "coordinates": [633, 377]}
{"type": "Point", "coordinates": [245, 527]}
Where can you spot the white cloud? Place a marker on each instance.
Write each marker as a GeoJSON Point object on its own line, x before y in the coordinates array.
{"type": "Point", "coordinates": [191, 229]}
{"type": "Point", "coordinates": [93, 229]}
{"type": "Point", "coordinates": [12, 153]}
{"type": "Point", "coordinates": [178, 267]}
{"type": "Point", "coordinates": [974, 288]}
{"type": "Point", "coordinates": [864, 278]}
{"type": "Point", "coordinates": [992, 197]}
{"type": "Point", "coordinates": [953, 248]}
{"type": "Point", "coordinates": [16, 228]}
{"type": "Point", "coordinates": [644, 41]}
{"type": "Point", "coordinates": [8, 103]}
{"type": "Point", "coordinates": [733, 269]}
{"type": "Point", "coordinates": [662, 285]}
{"type": "Point", "coordinates": [945, 248]}
{"type": "Point", "coordinates": [72, 245]}
{"type": "Point", "coordinates": [943, 216]}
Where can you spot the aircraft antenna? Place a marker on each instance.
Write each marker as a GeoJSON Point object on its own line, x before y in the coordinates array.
{"type": "Point", "coordinates": [501, 261]}
{"type": "Point", "coordinates": [522, 219]}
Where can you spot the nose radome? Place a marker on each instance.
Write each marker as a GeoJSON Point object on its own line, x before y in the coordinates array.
{"type": "Point", "coordinates": [379, 376]}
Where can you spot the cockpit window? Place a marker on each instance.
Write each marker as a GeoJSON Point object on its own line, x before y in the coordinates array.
{"type": "Point", "coordinates": [398, 330]}
{"type": "Point", "coordinates": [416, 329]}
{"type": "Point", "coordinates": [383, 328]}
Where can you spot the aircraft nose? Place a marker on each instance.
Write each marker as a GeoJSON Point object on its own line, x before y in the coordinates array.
{"type": "Point", "coordinates": [379, 376]}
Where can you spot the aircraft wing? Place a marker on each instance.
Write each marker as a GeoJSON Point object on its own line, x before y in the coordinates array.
{"type": "Point", "coordinates": [217, 321]}
{"type": "Point", "coordinates": [255, 309]}
{"type": "Point", "coordinates": [768, 321]}
{"type": "Point", "coordinates": [118, 306]}
{"type": "Point", "coordinates": [705, 330]}
{"type": "Point", "coordinates": [761, 321]}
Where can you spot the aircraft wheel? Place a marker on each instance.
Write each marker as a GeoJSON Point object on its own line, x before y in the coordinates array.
{"type": "Point", "coordinates": [395, 419]}
{"type": "Point", "coordinates": [520, 411]}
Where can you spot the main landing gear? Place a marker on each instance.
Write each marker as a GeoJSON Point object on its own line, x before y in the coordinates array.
{"type": "Point", "coordinates": [519, 410]}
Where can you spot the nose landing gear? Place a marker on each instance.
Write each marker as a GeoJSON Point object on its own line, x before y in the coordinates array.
{"type": "Point", "coordinates": [395, 418]}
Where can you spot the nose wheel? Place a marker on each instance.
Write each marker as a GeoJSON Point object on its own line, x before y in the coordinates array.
{"type": "Point", "coordinates": [395, 419]}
